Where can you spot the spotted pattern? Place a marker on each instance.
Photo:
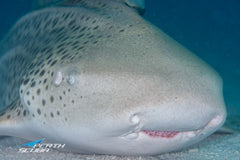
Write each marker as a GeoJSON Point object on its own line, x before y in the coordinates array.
{"type": "Point", "coordinates": [51, 38]}
{"type": "Point", "coordinates": [15, 111]}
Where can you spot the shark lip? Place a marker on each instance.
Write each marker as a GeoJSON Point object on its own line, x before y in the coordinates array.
{"type": "Point", "coordinates": [163, 134]}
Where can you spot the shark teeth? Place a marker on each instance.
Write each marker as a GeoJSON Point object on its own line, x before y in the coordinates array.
{"type": "Point", "coordinates": [164, 134]}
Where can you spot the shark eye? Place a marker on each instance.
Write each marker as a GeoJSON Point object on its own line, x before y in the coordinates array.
{"type": "Point", "coordinates": [71, 76]}
{"type": "Point", "coordinates": [58, 79]}
{"type": "Point", "coordinates": [67, 75]}
{"type": "Point", "coordinates": [134, 119]}
{"type": "Point", "coordinates": [70, 79]}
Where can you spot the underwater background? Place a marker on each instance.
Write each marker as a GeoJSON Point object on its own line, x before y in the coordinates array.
{"type": "Point", "coordinates": [209, 28]}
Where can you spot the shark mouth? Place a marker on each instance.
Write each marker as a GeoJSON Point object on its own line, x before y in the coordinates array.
{"type": "Point", "coordinates": [151, 133]}
{"type": "Point", "coordinates": [157, 134]}
{"type": "Point", "coordinates": [154, 134]}
{"type": "Point", "coordinates": [210, 127]}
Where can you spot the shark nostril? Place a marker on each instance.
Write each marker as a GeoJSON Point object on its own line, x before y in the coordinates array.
{"type": "Point", "coordinates": [136, 128]}
{"type": "Point", "coordinates": [135, 119]}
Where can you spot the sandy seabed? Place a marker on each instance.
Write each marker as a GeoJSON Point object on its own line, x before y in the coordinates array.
{"type": "Point", "coordinates": [215, 147]}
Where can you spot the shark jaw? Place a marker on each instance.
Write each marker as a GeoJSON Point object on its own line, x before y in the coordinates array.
{"type": "Point", "coordinates": [138, 139]}
{"type": "Point", "coordinates": [189, 135]}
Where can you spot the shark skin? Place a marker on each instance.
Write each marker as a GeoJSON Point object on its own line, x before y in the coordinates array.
{"type": "Point", "coordinates": [96, 76]}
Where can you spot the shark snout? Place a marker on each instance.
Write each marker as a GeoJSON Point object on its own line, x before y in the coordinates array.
{"type": "Point", "coordinates": [178, 120]}
{"type": "Point", "coordinates": [166, 128]}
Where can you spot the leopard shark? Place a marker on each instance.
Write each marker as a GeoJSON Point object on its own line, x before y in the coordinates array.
{"type": "Point", "coordinates": [96, 76]}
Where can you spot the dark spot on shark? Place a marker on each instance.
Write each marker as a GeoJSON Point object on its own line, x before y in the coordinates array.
{"type": "Point", "coordinates": [54, 22]}
{"type": "Point", "coordinates": [38, 91]}
{"type": "Point", "coordinates": [49, 56]}
{"type": "Point", "coordinates": [87, 18]}
{"type": "Point", "coordinates": [122, 30]}
{"type": "Point", "coordinates": [53, 63]}
{"type": "Point", "coordinates": [60, 50]}
{"type": "Point", "coordinates": [43, 102]}
{"type": "Point", "coordinates": [51, 99]}
{"type": "Point", "coordinates": [95, 28]}
{"type": "Point", "coordinates": [81, 47]}
{"type": "Point", "coordinates": [45, 81]}
{"type": "Point", "coordinates": [49, 50]}
{"type": "Point", "coordinates": [2, 113]}
{"type": "Point", "coordinates": [42, 73]}
{"type": "Point", "coordinates": [39, 111]}
{"type": "Point", "coordinates": [51, 114]}
{"type": "Point", "coordinates": [64, 57]}
{"type": "Point", "coordinates": [49, 61]}
{"type": "Point", "coordinates": [36, 72]}
{"type": "Point", "coordinates": [75, 43]}
{"type": "Point", "coordinates": [72, 22]}
{"type": "Point", "coordinates": [25, 82]}
{"type": "Point", "coordinates": [76, 28]}
{"type": "Point", "coordinates": [84, 28]}
{"type": "Point", "coordinates": [40, 63]}
{"type": "Point", "coordinates": [90, 37]}
{"type": "Point", "coordinates": [33, 84]}
{"type": "Point", "coordinates": [24, 112]}
{"type": "Point", "coordinates": [81, 35]}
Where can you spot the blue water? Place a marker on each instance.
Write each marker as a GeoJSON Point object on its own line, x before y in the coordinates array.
{"type": "Point", "coordinates": [211, 29]}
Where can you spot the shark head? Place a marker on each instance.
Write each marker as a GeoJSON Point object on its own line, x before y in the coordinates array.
{"type": "Point", "coordinates": [106, 81]}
